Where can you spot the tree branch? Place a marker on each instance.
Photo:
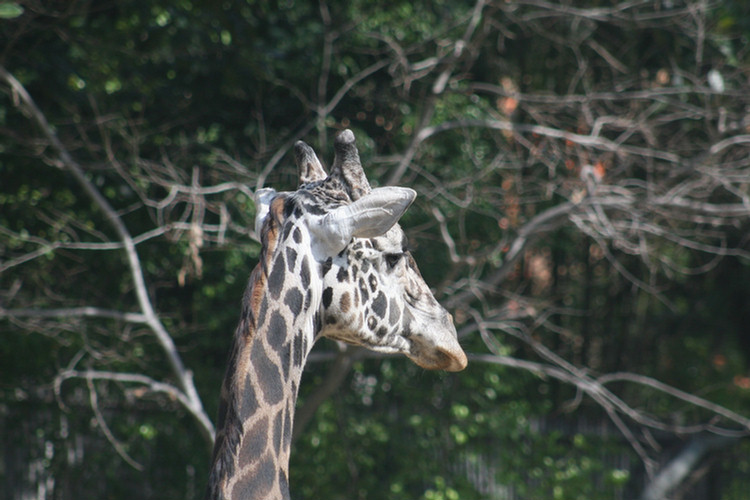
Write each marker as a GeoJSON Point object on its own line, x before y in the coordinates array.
{"type": "Point", "coordinates": [677, 469]}
{"type": "Point", "coordinates": [675, 393]}
{"type": "Point", "coordinates": [592, 141]}
{"type": "Point", "coordinates": [134, 378]}
{"type": "Point", "coordinates": [337, 373]}
{"type": "Point", "coordinates": [539, 225]}
{"type": "Point", "coordinates": [324, 110]}
{"type": "Point", "coordinates": [93, 399]}
{"type": "Point", "coordinates": [74, 312]}
{"type": "Point", "coordinates": [65, 160]}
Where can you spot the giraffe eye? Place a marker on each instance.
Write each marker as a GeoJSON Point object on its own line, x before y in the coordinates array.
{"type": "Point", "coordinates": [391, 259]}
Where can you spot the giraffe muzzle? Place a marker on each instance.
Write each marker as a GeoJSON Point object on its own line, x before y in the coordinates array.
{"type": "Point", "coordinates": [439, 349]}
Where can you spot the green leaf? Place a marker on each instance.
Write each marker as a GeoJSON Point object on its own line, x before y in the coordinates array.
{"type": "Point", "coordinates": [10, 10]}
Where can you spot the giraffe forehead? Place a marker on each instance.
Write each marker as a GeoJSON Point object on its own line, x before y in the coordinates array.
{"type": "Point", "coordinates": [321, 196]}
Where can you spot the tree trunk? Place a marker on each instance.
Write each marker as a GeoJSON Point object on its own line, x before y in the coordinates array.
{"type": "Point", "coordinates": [678, 469]}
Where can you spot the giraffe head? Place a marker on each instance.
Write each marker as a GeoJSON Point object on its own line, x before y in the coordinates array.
{"type": "Point", "coordinates": [372, 293]}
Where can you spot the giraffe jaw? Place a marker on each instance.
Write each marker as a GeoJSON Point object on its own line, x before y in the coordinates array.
{"type": "Point", "coordinates": [424, 352]}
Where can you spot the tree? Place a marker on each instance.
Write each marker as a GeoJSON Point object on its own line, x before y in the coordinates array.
{"type": "Point", "coordinates": [583, 213]}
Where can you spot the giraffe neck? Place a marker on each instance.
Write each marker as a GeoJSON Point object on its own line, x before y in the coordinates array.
{"type": "Point", "coordinates": [259, 395]}
{"type": "Point", "coordinates": [275, 334]}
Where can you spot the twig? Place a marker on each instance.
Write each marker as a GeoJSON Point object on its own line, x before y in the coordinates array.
{"type": "Point", "coordinates": [74, 312]}
{"type": "Point", "coordinates": [324, 110]}
{"type": "Point", "coordinates": [537, 227]}
{"type": "Point", "coordinates": [596, 142]}
{"type": "Point", "coordinates": [105, 428]}
{"type": "Point", "coordinates": [448, 239]}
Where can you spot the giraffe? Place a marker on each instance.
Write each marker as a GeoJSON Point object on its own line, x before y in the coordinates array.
{"type": "Point", "coordinates": [334, 263]}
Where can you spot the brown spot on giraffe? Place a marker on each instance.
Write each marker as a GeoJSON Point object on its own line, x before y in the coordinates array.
{"type": "Point", "coordinates": [345, 302]}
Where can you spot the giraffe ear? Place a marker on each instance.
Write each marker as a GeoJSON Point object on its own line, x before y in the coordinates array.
{"type": "Point", "coordinates": [371, 215]}
{"type": "Point", "coordinates": [263, 198]}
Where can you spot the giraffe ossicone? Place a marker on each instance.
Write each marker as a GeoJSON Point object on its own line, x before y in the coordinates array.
{"type": "Point", "coordinates": [334, 263]}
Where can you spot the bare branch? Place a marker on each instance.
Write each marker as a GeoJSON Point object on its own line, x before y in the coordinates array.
{"type": "Point", "coordinates": [338, 371]}
{"type": "Point", "coordinates": [448, 239]}
{"type": "Point", "coordinates": [106, 430]}
{"type": "Point", "coordinates": [592, 141]}
{"type": "Point", "coordinates": [596, 388]}
{"type": "Point", "coordinates": [133, 378]}
{"type": "Point", "coordinates": [65, 160]}
{"type": "Point", "coordinates": [675, 393]}
{"type": "Point", "coordinates": [323, 111]}
{"type": "Point", "coordinates": [529, 232]}
{"type": "Point", "coordinates": [50, 246]}
{"type": "Point", "coordinates": [677, 469]}
{"type": "Point", "coordinates": [74, 312]}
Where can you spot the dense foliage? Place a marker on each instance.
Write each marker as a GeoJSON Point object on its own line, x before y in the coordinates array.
{"type": "Point", "coordinates": [584, 213]}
